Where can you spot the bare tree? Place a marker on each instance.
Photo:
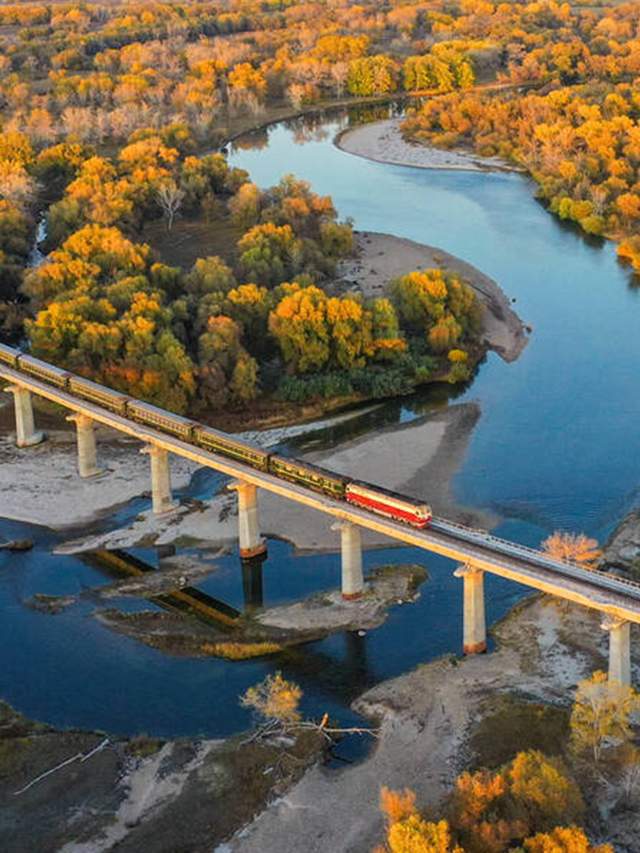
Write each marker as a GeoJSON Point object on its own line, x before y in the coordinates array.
{"type": "Point", "coordinates": [170, 197]}
{"type": "Point", "coordinates": [340, 72]}
{"type": "Point", "coordinates": [16, 185]}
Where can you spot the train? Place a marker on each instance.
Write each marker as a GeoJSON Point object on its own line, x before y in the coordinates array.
{"type": "Point", "coordinates": [366, 496]}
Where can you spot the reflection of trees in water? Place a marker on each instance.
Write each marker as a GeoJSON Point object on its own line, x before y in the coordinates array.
{"type": "Point", "coordinates": [432, 398]}
{"type": "Point", "coordinates": [256, 140]}
{"type": "Point", "coordinates": [311, 127]}
{"type": "Point", "coordinates": [300, 136]}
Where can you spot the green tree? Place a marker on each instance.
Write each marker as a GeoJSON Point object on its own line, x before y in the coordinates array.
{"type": "Point", "coordinates": [209, 275]}
{"type": "Point", "coordinates": [270, 254]}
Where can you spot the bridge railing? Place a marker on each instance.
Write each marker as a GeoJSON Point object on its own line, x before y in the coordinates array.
{"type": "Point", "coordinates": [504, 546]}
{"type": "Point", "coordinates": [508, 546]}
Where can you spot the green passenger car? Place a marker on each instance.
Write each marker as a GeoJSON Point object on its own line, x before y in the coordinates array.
{"type": "Point", "coordinates": [306, 474]}
{"type": "Point", "coordinates": [225, 445]}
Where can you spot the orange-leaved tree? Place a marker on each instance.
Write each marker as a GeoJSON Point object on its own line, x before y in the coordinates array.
{"type": "Point", "coordinates": [407, 831]}
{"type": "Point", "coordinates": [575, 547]}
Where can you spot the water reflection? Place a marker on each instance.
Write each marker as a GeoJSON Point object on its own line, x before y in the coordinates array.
{"type": "Point", "coordinates": [252, 588]}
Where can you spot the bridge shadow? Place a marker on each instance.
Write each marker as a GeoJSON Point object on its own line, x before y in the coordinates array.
{"type": "Point", "coordinates": [342, 677]}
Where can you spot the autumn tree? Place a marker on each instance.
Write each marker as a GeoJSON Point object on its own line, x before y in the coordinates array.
{"type": "Point", "coordinates": [600, 717]}
{"type": "Point", "coordinates": [270, 254]}
{"type": "Point", "coordinates": [569, 839]}
{"type": "Point", "coordinates": [437, 303]}
{"type": "Point", "coordinates": [493, 810]}
{"type": "Point", "coordinates": [407, 831]}
{"type": "Point", "coordinates": [573, 547]}
{"type": "Point", "coordinates": [372, 75]}
{"type": "Point", "coordinates": [299, 325]}
{"type": "Point", "coordinates": [103, 313]}
{"type": "Point", "coordinates": [247, 87]}
{"type": "Point", "coordinates": [274, 698]}
{"type": "Point", "coordinates": [227, 373]}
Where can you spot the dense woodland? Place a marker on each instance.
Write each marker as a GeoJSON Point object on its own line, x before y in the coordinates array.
{"type": "Point", "coordinates": [108, 112]}
{"type": "Point", "coordinates": [109, 116]}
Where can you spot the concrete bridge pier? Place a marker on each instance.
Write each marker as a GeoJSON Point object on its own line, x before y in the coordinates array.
{"type": "Point", "coordinates": [619, 648]}
{"type": "Point", "coordinates": [251, 542]}
{"type": "Point", "coordinates": [87, 452]}
{"type": "Point", "coordinates": [160, 479]}
{"type": "Point", "coordinates": [26, 433]}
{"type": "Point", "coordinates": [351, 547]}
{"type": "Point", "coordinates": [475, 630]}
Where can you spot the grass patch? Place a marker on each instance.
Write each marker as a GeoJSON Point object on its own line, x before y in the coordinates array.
{"type": "Point", "coordinates": [513, 725]}
{"type": "Point", "coordinates": [240, 651]}
{"type": "Point", "coordinates": [142, 746]}
{"type": "Point", "coordinates": [190, 239]}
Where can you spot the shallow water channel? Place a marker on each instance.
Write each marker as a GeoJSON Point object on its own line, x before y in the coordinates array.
{"type": "Point", "coordinates": [557, 445]}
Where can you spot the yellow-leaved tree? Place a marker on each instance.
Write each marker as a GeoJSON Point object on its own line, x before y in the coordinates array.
{"type": "Point", "coordinates": [600, 719]}
{"type": "Point", "coordinates": [407, 831]}
{"type": "Point", "coordinates": [274, 698]}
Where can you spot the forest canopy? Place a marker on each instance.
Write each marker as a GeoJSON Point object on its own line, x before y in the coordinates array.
{"type": "Point", "coordinates": [109, 120]}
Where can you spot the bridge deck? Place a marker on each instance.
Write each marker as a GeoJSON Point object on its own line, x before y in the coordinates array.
{"type": "Point", "coordinates": [590, 589]}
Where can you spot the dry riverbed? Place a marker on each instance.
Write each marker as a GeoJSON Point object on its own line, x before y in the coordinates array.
{"type": "Point", "coordinates": [32, 479]}
{"type": "Point", "coordinates": [443, 718]}
{"type": "Point", "coordinates": [135, 794]}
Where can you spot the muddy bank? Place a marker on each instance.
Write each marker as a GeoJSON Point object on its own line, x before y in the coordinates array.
{"type": "Point", "coordinates": [272, 630]}
{"type": "Point", "coordinates": [381, 257]}
{"type": "Point", "coordinates": [418, 458]}
{"type": "Point", "coordinates": [138, 793]}
{"type": "Point", "coordinates": [383, 142]}
{"type": "Point", "coordinates": [430, 722]}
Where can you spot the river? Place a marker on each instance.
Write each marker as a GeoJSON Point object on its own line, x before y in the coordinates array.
{"type": "Point", "coordinates": [557, 445]}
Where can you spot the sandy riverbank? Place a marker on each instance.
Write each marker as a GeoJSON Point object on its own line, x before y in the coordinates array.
{"type": "Point", "coordinates": [382, 257]}
{"type": "Point", "coordinates": [428, 718]}
{"type": "Point", "coordinates": [436, 721]}
{"type": "Point", "coordinates": [134, 794]}
{"type": "Point", "coordinates": [382, 141]}
{"type": "Point", "coordinates": [418, 458]}
{"type": "Point", "coordinates": [32, 479]}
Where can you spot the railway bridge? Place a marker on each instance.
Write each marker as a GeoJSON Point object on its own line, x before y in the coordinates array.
{"type": "Point", "coordinates": [617, 599]}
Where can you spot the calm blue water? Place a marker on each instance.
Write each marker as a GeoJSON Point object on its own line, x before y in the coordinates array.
{"type": "Point", "coordinates": [557, 445]}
